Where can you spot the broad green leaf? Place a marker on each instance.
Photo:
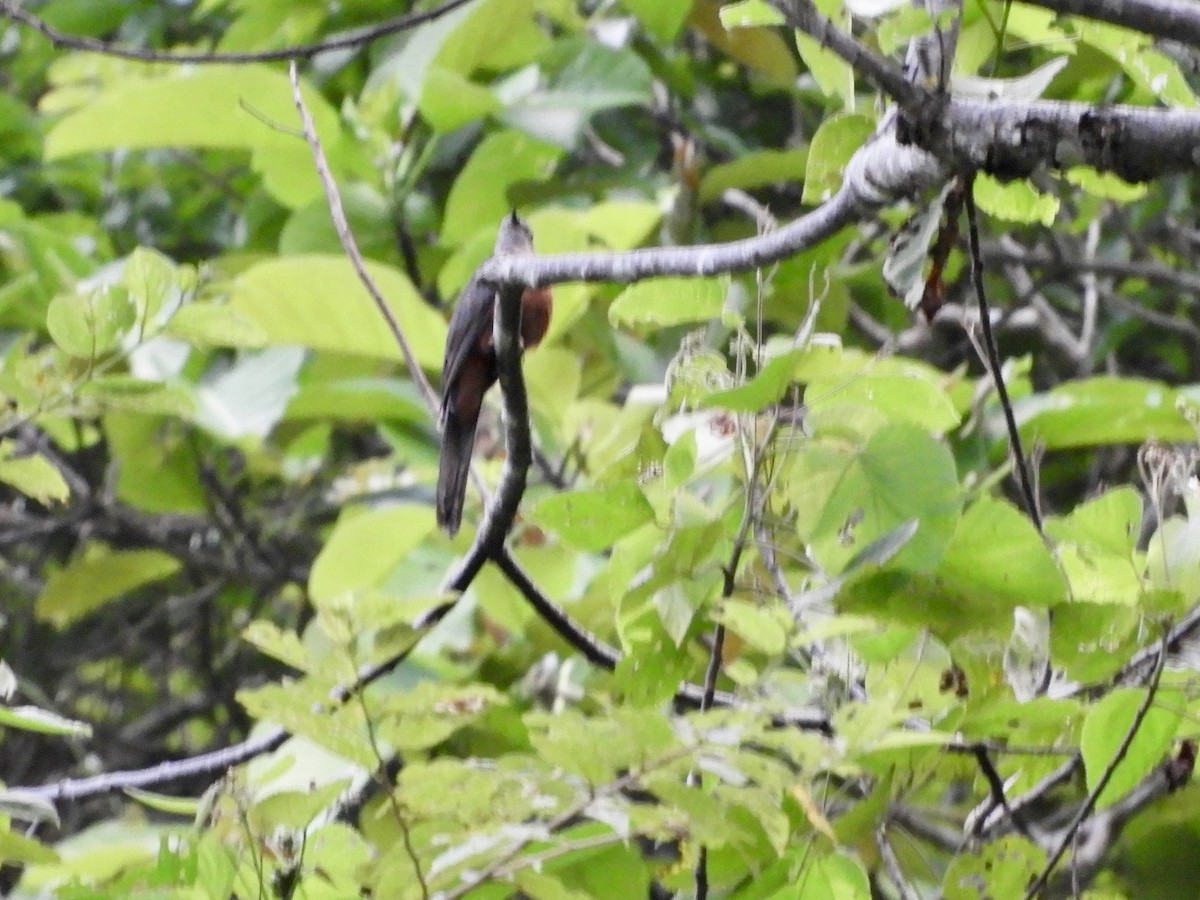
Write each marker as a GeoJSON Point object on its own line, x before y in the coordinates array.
{"type": "Point", "coordinates": [318, 302]}
{"type": "Point", "coordinates": [594, 518]}
{"type": "Point", "coordinates": [752, 170]}
{"type": "Point", "coordinates": [1105, 728]}
{"type": "Point", "coordinates": [911, 394]}
{"type": "Point", "coordinates": [449, 100]}
{"type": "Point", "coordinates": [364, 548]}
{"type": "Point", "coordinates": [764, 628]}
{"type": "Point", "coordinates": [761, 50]}
{"type": "Point", "coordinates": [766, 387]}
{"type": "Point", "coordinates": [151, 279]}
{"type": "Point", "coordinates": [1173, 554]}
{"type": "Point", "coordinates": [660, 302]}
{"type": "Point", "coordinates": [597, 749]}
{"type": "Point", "coordinates": [96, 576]}
{"type": "Point", "coordinates": [620, 224]}
{"type": "Point", "coordinates": [1109, 522]}
{"type": "Point", "coordinates": [33, 475]}
{"type": "Point", "coordinates": [125, 392]}
{"type": "Point", "coordinates": [18, 849]}
{"type": "Point", "coordinates": [358, 400]}
{"type": "Point", "coordinates": [274, 641]}
{"type": "Point", "coordinates": [1102, 410]}
{"type": "Point", "coordinates": [212, 325]}
{"type": "Point", "coordinates": [1001, 868]}
{"type": "Point", "coordinates": [1105, 185]}
{"type": "Point", "coordinates": [833, 75]}
{"type": "Point", "coordinates": [832, 146]}
{"type": "Point", "coordinates": [847, 496]}
{"type": "Point", "coordinates": [1015, 201]}
{"type": "Point", "coordinates": [303, 709]}
{"type": "Point", "coordinates": [90, 323]}
{"type": "Point", "coordinates": [996, 551]}
{"type": "Point", "coordinates": [995, 562]}
{"type": "Point", "coordinates": [479, 197]}
{"type": "Point", "coordinates": [833, 875]}
{"type": "Point", "coordinates": [228, 106]}
{"type": "Point", "coordinates": [42, 721]}
{"type": "Point", "coordinates": [1091, 641]}
{"type": "Point", "coordinates": [662, 18]}
{"type": "Point", "coordinates": [425, 716]}
{"type": "Point", "coordinates": [592, 79]}
{"type": "Point", "coordinates": [1153, 71]}
{"type": "Point", "coordinates": [296, 809]}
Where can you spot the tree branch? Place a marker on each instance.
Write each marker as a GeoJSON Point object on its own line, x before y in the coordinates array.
{"type": "Point", "coordinates": [1161, 18]}
{"type": "Point", "coordinates": [349, 40]}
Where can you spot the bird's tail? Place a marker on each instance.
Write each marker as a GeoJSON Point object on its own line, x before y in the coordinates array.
{"type": "Point", "coordinates": [454, 464]}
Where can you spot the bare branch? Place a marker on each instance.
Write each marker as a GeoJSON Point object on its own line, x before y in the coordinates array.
{"type": "Point", "coordinates": [349, 40]}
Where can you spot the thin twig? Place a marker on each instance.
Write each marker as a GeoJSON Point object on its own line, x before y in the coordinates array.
{"type": "Point", "coordinates": [1090, 804]}
{"type": "Point", "coordinates": [1024, 477]}
{"type": "Point", "coordinates": [350, 40]}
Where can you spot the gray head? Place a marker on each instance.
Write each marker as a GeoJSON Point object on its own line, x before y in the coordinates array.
{"type": "Point", "coordinates": [514, 236]}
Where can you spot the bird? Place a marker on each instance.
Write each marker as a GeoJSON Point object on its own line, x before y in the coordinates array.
{"type": "Point", "coordinates": [469, 368]}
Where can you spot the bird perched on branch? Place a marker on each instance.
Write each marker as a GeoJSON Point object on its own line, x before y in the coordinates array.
{"type": "Point", "coordinates": [470, 368]}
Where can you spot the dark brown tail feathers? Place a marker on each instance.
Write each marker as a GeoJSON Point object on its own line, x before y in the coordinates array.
{"type": "Point", "coordinates": [458, 440]}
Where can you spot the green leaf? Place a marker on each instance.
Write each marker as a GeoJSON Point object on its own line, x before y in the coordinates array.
{"type": "Point", "coordinates": [766, 387]}
{"type": "Point", "coordinates": [913, 393]}
{"type": "Point", "coordinates": [274, 641]}
{"type": "Point", "coordinates": [752, 170]}
{"type": "Point", "coordinates": [1105, 185]}
{"type": "Point", "coordinates": [1102, 410]}
{"type": "Point", "coordinates": [449, 100]}
{"type": "Point", "coordinates": [662, 18]}
{"type": "Point", "coordinates": [594, 518]}
{"type": "Point", "coordinates": [593, 78]}
{"type": "Point", "coordinates": [173, 806]}
{"type": "Point", "coordinates": [42, 721]}
{"type": "Point", "coordinates": [228, 106]}
{"type": "Point", "coordinates": [1105, 727]}
{"type": "Point", "coordinates": [213, 325]}
{"type": "Point", "coordinates": [479, 197]}
{"type": "Point", "coordinates": [749, 13]}
{"type": "Point", "coordinates": [20, 850]}
{"type": "Point", "coordinates": [428, 714]}
{"type": "Point", "coordinates": [847, 495]}
{"type": "Point", "coordinates": [151, 280]}
{"type": "Point", "coordinates": [365, 547]}
{"type": "Point", "coordinates": [317, 301]}
{"type": "Point", "coordinates": [995, 562]}
{"type": "Point", "coordinates": [34, 475]}
{"type": "Point", "coordinates": [1015, 201]}
{"type": "Point", "coordinates": [764, 628]}
{"type": "Point", "coordinates": [838, 874]}
{"type": "Point", "coordinates": [125, 392]}
{"type": "Point", "coordinates": [997, 552]}
{"type": "Point", "coordinates": [89, 324]}
{"type": "Point", "coordinates": [1001, 868]}
{"type": "Point", "coordinates": [96, 576]}
{"type": "Point", "coordinates": [661, 302]}
{"type": "Point", "coordinates": [832, 146]}
{"type": "Point", "coordinates": [833, 75]}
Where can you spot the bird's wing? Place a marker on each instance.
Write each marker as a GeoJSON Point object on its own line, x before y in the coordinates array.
{"type": "Point", "coordinates": [471, 319]}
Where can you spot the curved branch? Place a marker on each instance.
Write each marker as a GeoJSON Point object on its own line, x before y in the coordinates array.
{"type": "Point", "coordinates": [349, 40]}
{"type": "Point", "coordinates": [1161, 18]}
